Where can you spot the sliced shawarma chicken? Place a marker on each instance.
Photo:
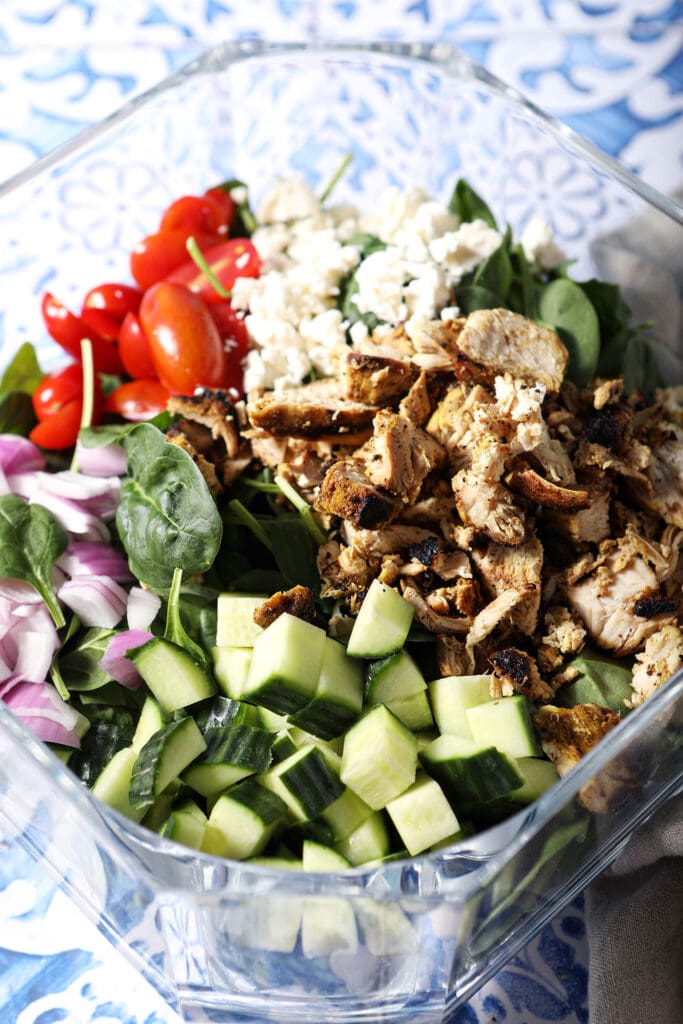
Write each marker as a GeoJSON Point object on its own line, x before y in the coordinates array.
{"type": "Point", "coordinates": [607, 598]}
{"type": "Point", "coordinates": [311, 410]}
{"type": "Point", "coordinates": [347, 492]}
{"type": "Point", "coordinates": [562, 636]}
{"type": "Point", "coordinates": [299, 601]}
{"type": "Point", "coordinates": [492, 617]}
{"type": "Point", "coordinates": [377, 380]}
{"type": "Point", "coordinates": [400, 456]}
{"type": "Point", "coordinates": [502, 568]}
{"type": "Point", "coordinates": [489, 507]}
{"type": "Point", "coordinates": [537, 489]}
{"type": "Point", "coordinates": [343, 571]}
{"type": "Point", "coordinates": [566, 734]}
{"type": "Point", "coordinates": [665, 474]}
{"type": "Point", "coordinates": [436, 622]}
{"type": "Point", "coordinates": [591, 524]}
{"type": "Point", "coordinates": [515, 671]}
{"type": "Point", "coordinates": [395, 538]}
{"type": "Point", "coordinates": [451, 656]}
{"type": "Point", "coordinates": [419, 402]}
{"type": "Point", "coordinates": [497, 341]}
{"type": "Point", "coordinates": [657, 662]}
{"type": "Point", "coordinates": [213, 410]}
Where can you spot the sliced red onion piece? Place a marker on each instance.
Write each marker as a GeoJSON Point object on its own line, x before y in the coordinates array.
{"type": "Point", "coordinates": [74, 518]}
{"type": "Point", "coordinates": [17, 455]}
{"type": "Point", "coordinates": [97, 496]}
{"type": "Point", "coordinates": [84, 557]}
{"type": "Point", "coordinates": [41, 708]}
{"type": "Point", "coordinates": [97, 600]}
{"type": "Point", "coordinates": [35, 654]}
{"type": "Point", "coordinates": [107, 460]}
{"type": "Point", "coordinates": [19, 592]}
{"type": "Point", "coordinates": [8, 683]}
{"type": "Point", "coordinates": [115, 662]}
{"type": "Point", "coordinates": [142, 609]}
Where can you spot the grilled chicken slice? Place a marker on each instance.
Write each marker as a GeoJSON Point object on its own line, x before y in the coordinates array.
{"type": "Point", "coordinates": [497, 341]}
{"type": "Point", "coordinates": [502, 568]}
{"type": "Point", "coordinates": [213, 410]}
{"type": "Point", "coordinates": [436, 622]}
{"type": "Point", "coordinates": [377, 380]}
{"type": "Point", "coordinates": [451, 656]}
{"type": "Point", "coordinates": [591, 524]}
{"type": "Point", "coordinates": [399, 455]}
{"type": "Point", "coordinates": [540, 491]}
{"type": "Point", "coordinates": [311, 410]}
{"type": "Point", "coordinates": [343, 572]}
{"type": "Point", "coordinates": [299, 601]}
{"type": "Point", "coordinates": [347, 492]}
{"type": "Point", "coordinates": [657, 662]}
{"type": "Point", "coordinates": [665, 474]}
{"type": "Point", "coordinates": [515, 671]}
{"type": "Point", "coordinates": [489, 507]}
{"type": "Point", "coordinates": [566, 734]}
{"type": "Point", "coordinates": [563, 636]}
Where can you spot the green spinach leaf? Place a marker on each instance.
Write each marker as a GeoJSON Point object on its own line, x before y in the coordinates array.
{"type": "Point", "coordinates": [244, 222]}
{"type": "Point", "coordinates": [31, 541]}
{"type": "Point", "coordinates": [79, 664]}
{"type": "Point", "coordinates": [111, 433]}
{"type": "Point", "coordinates": [16, 413]}
{"type": "Point", "coordinates": [565, 306]}
{"type": "Point", "coordinates": [468, 205]}
{"type": "Point", "coordinates": [175, 631]}
{"type": "Point", "coordinates": [640, 369]}
{"type": "Point", "coordinates": [475, 296]}
{"type": "Point", "coordinates": [495, 272]}
{"type": "Point", "coordinates": [23, 373]}
{"type": "Point", "coordinates": [167, 517]}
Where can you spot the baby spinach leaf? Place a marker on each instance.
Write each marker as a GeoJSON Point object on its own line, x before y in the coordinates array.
{"type": "Point", "coordinates": [79, 665]}
{"type": "Point", "coordinates": [175, 630]}
{"type": "Point", "coordinates": [110, 433]}
{"type": "Point", "coordinates": [167, 517]}
{"type": "Point", "coordinates": [639, 367]}
{"type": "Point", "coordinates": [565, 306]}
{"type": "Point", "coordinates": [522, 295]}
{"type": "Point", "coordinates": [31, 541]}
{"type": "Point", "coordinates": [495, 272]}
{"type": "Point", "coordinates": [468, 205]}
{"type": "Point", "coordinates": [23, 373]}
{"type": "Point", "coordinates": [474, 296]}
{"type": "Point", "coordinates": [16, 413]}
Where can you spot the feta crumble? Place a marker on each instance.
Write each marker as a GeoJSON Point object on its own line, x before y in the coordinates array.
{"type": "Point", "coordinates": [540, 248]}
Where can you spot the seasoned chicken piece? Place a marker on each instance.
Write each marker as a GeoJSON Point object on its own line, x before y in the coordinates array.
{"type": "Point", "coordinates": [488, 507]}
{"type": "Point", "coordinates": [463, 596]}
{"type": "Point", "coordinates": [343, 572]}
{"type": "Point", "coordinates": [515, 671]}
{"type": "Point", "coordinates": [417, 405]}
{"type": "Point", "coordinates": [176, 435]}
{"type": "Point", "coordinates": [591, 524]}
{"type": "Point", "coordinates": [656, 663]}
{"type": "Point", "coordinates": [608, 392]}
{"type": "Point", "coordinates": [495, 614]}
{"type": "Point", "coordinates": [606, 599]}
{"type": "Point", "coordinates": [497, 341]}
{"type": "Point", "coordinates": [665, 475]}
{"type": "Point", "coordinates": [212, 409]}
{"type": "Point", "coordinates": [377, 380]}
{"type": "Point", "coordinates": [435, 342]}
{"type": "Point", "coordinates": [448, 625]}
{"type": "Point", "coordinates": [533, 486]}
{"type": "Point", "coordinates": [394, 538]}
{"type": "Point", "coordinates": [299, 601]}
{"type": "Point", "coordinates": [452, 422]}
{"type": "Point", "coordinates": [305, 471]}
{"type": "Point", "coordinates": [346, 491]}
{"type": "Point", "coordinates": [217, 468]}
{"type": "Point", "coordinates": [451, 656]}
{"type": "Point", "coordinates": [311, 410]}
{"type": "Point", "coordinates": [566, 734]}
{"type": "Point", "coordinates": [399, 455]}
{"type": "Point", "coordinates": [563, 635]}
{"type": "Point", "coordinates": [502, 568]}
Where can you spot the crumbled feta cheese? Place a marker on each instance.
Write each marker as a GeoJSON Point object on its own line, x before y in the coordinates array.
{"type": "Point", "coordinates": [381, 277]}
{"type": "Point", "coordinates": [358, 333]}
{"type": "Point", "coordinates": [450, 312]}
{"type": "Point", "coordinates": [460, 251]}
{"type": "Point", "coordinates": [427, 292]}
{"type": "Point", "coordinates": [324, 337]}
{"type": "Point", "coordinates": [288, 199]}
{"type": "Point", "coordinates": [539, 245]}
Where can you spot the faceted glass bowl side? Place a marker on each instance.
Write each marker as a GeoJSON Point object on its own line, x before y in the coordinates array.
{"type": "Point", "coordinates": [410, 940]}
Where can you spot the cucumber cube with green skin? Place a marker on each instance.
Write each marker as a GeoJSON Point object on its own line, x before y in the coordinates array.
{"type": "Point", "coordinates": [231, 668]}
{"type": "Point", "coordinates": [345, 815]}
{"type": "Point", "coordinates": [242, 821]}
{"type": "Point", "coordinates": [382, 624]}
{"type": "Point", "coordinates": [185, 825]}
{"type": "Point", "coordinates": [369, 841]}
{"type": "Point", "coordinates": [173, 676]}
{"type": "Point", "coordinates": [469, 772]}
{"type": "Point", "coordinates": [305, 783]}
{"type": "Point", "coordinates": [506, 724]}
{"type": "Point", "coordinates": [285, 666]}
{"type": "Point", "coordinates": [379, 759]}
{"type": "Point", "coordinates": [392, 678]}
{"type": "Point", "coordinates": [152, 718]}
{"type": "Point", "coordinates": [163, 757]}
{"type": "Point", "coordinates": [233, 752]}
{"type": "Point", "coordinates": [112, 785]}
{"type": "Point", "coordinates": [451, 696]}
{"type": "Point", "coordinates": [413, 711]}
{"type": "Point", "coordinates": [328, 924]}
{"type": "Point", "coordinates": [338, 696]}
{"type": "Point", "coordinates": [235, 626]}
{"type": "Point", "coordinates": [539, 775]}
{"type": "Point", "coordinates": [422, 815]}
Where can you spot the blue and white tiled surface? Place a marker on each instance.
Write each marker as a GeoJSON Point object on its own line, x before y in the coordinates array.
{"type": "Point", "coordinates": [611, 69]}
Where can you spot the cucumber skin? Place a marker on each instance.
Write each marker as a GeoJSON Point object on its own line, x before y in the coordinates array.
{"type": "Point", "coordinates": [145, 782]}
{"type": "Point", "coordinates": [473, 779]}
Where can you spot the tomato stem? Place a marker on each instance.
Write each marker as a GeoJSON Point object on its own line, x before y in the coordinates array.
{"type": "Point", "coordinates": [88, 369]}
{"type": "Point", "coordinates": [196, 254]}
{"type": "Point", "coordinates": [335, 177]}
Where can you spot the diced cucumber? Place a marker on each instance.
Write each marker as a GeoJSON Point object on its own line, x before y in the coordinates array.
{"type": "Point", "coordinates": [422, 815]}
{"type": "Point", "coordinates": [382, 624]}
{"type": "Point", "coordinates": [328, 924]}
{"type": "Point", "coordinates": [386, 929]}
{"type": "Point", "coordinates": [269, 720]}
{"type": "Point", "coordinates": [506, 724]}
{"type": "Point", "coordinates": [211, 779]}
{"type": "Point", "coordinates": [152, 719]}
{"type": "Point", "coordinates": [185, 825]}
{"type": "Point", "coordinates": [285, 666]}
{"type": "Point", "coordinates": [235, 626]}
{"type": "Point", "coordinates": [113, 783]}
{"type": "Point", "coordinates": [413, 711]}
{"type": "Point", "coordinates": [338, 696]}
{"type": "Point", "coordinates": [231, 668]}
{"type": "Point", "coordinates": [330, 748]}
{"type": "Point", "coordinates": [369, 841]}
{"type": "Point", "coordinates": [283, 746]}
{"type": "Point", "coordinates": [602, 680]}
{"type": "Point", "coordinates": [175, 679]}
{"type": "Point", "coordinates": [219, 712]}
{"type": "Point", "coordinates": [304, 782]}
{"type": "Point", "coordinates": [392, 678]}
{"type": "Point", "coordinates": [379, 759]}
{"type": "Point", "coordinates": [538, 774]}
{"type": "Point", "coordinates": [345, 815]}
{"type": "Point", "coordinates": [163, 757]}
{"type": "Point", "coordinates": [451, 696]}
{"type": "Point", "coordinates": [469, 772]}
{"type": "Point", "coordinates": [159, 811]}
{"type": "Point", "coordinates": [232, 753]}
{"type": "Point", "coordinates": [272, 924]}
{"type": "Point", "coordinates": [242, 821]}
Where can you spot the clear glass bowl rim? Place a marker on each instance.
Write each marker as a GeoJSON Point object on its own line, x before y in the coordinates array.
{"type": "Point", "coordinates": [443, 57]}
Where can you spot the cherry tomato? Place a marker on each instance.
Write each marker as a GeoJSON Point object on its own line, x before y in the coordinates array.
{"type": "Point", "coordinates": [157, 255]}
{"type": "Point", "coordinates": [137, 400]}
{"type": "Point", "coordinates": [226, 201]}
{"type": "Point", "coordinates": [106, 306]}
{"type": "Point", "coordinates": [61, 429]}
{"type": "Point", "coordinates": [235, 338]}
{"type": "Point", "coordinates": [134, 349]}
{"type": "Point", "coordinates": [68, 330]}
{"type": "Point", "coordinates": [204, 214]}
{"type": "Point", "coordinates": [232, 259]}
{"type": "Point", "coordinates": [186, 346]}
{"type": "Point", "coordinates": [55, 390]}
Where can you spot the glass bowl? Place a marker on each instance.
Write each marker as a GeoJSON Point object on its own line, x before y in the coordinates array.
{"type": "Point", "coordinates": [415, 938]}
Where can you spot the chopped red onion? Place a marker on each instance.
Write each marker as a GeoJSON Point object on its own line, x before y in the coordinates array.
{"type": "Point", "coordinates": [96, 496]}
{"type": "Point", "coordinates": [40, 707]}
{"type": "Point", "coordinates": [97, 600]}
{"type": "Point", "coordinates": [74, 518]}
{"type": "Point", "coordinates": [28, 640]}
{"type": "Point", "coordinates": [17, 591]}
{"type": "Point", "coordinates": [143, 606]}
{"type": "Point", "coordinates": [17, 455]}
{"type": "Point", "coordinates": [107, 460]}
{"type": "Point", "coordinates": [84, 557]}
{"type": "Point", "coordinates": [115, 662]}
